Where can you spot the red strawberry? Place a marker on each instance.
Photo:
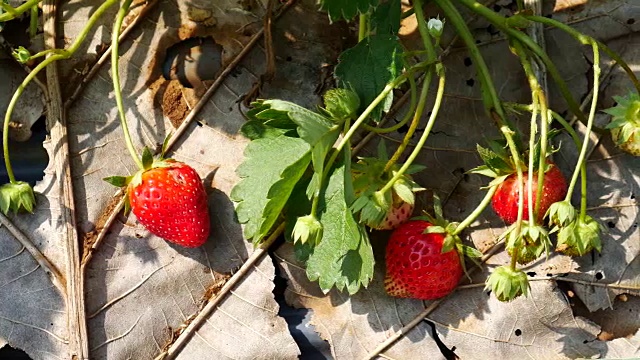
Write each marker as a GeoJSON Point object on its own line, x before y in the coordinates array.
{"type": "Point", "coordinates": [416, 266]}
{"type": "Point", "coordinates": [170, 201]}
{"type": "Point", "coordinates": [397, 214]}
{"type": "Point", "coordinates": [505, 200]}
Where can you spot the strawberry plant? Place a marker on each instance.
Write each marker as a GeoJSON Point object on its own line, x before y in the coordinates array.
{"type": "Point", "coordinates": [299, 169]}
{"type": "Point", "coordinates": [303, 178]}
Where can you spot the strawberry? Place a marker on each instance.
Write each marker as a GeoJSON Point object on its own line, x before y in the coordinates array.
{"type": "Point", "coordinates": [382, 210]}
{"type": "Point", "coordinates": [416, 266]}
{"type": "Point", "coordinates": [505, 200]}
{"type": "Point", "coordinates": [625, 123]}
{"type": "Point", "coordinates": [170, 201]}
{"type": "Point", "coordinates": [399, 213]}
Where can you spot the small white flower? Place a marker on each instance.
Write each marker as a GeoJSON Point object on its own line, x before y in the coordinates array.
{"type": "Point", "coordinates": [435, 27]}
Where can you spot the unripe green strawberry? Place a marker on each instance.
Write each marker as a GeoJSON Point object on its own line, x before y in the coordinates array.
{"type": "Point", "coordinates": [171, 202]}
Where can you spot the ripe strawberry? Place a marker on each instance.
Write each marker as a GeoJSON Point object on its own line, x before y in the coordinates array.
{"type": "Point", "coordinates": [625, 123]}
{"type": "Point", "coordinates": [505, 200]}
{"type": "Point", "coordinates": [416, 266]}
{"type": "Point", "coordinates": [170, 201]}
{"type": "Point", "coordinates": [399, 213]}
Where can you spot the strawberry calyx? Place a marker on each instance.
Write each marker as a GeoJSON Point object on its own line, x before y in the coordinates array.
{"type": "Point", "coordinates": [499, 164]}
{"type": "Point", "coordinates": [625, 123]}
{"type": "Point", "coordinates": [579, 237]}
{"type": "Point", "coordinates": [560, 214]}
{"type": "Point", "coordinates": [307, 229]}
{"type": "Point", "coordinates": [372, 204]}
{"type": "Point", "coordinates": [440, 225]}
{"type": "Point", "coordinates": [148, 163]}
{"type": "Point", "coordinates": [17, 196]}
{"type": "Point", "coordinates": [527, 244]}
{"type": "Point", "coordinates": [507, 283]}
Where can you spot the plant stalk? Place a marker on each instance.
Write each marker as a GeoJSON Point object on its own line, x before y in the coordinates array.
{"type": "Point", "coordinates": [477, 211]}
{"type": "Point", "coordinates": [116, 82]}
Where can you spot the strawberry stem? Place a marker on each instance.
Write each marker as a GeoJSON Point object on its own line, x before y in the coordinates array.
{"type": "Point", "coordinates": [500, 22]}
{"type": "Point", "coordinates": [493, 103]}
{"type": "Point", "coordinates": [539, 106]}
{"type": "Point", "coordinates": [477, 211]}
{"type": "Point", "coordinates": [588, 40]}
{"type": "Point", "coordinates": [365, 114]}
{"type": "Point", "coordinates": [12, 13]}
{"type": "Point", "coordinates": [363, 27]}
{"type": "Point", "coordinates": [592, 114]}
{"type": "Point", "coordinates": [431, 56]}
{"type": "Point", "coordinates": [116, 82]}
{"type": "Point", "coordinates": [58, 55]}
{"type": "Point", "coordinates": [407, 116]}
{"type": "Point", "coordinates": [508, 134]}
{"type": "Point", "coordinates": [425, 134]}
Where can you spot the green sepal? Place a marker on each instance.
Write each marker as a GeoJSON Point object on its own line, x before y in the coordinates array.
{"type": "Point", "coordinates": [118, 181]}
{"type": "Point", "coordinates": [449, 243]}
{"type": "Point", "coordinates": [127, 205]}
{"type": "Point", "coordinates": [434, 229]}
{"type": "Point", "coordinates": [136, 179]}
{"type": "Point", "coordinates": [341, 104]}
{"type": "Point", "coordinates": [375, 209]}
{"type": "Point", "coordinates": [580, 237]}
{"type": "Point", "coordinates": [17, 197]}
{"type": "Point", "coordinates": [21, 54]}
{"type": "Point", "coordinates": [496, 160]}
{"type": "Point", "coordinates": [147, 158]}
{"type": "Point", "coordinates": [560, 214]}
{"type": "Point", "coordinates": [507, 284]}
{"type": "Point", "coordinates": [165, 146]}
{"type": "Point", "coordinates": [307, 229]}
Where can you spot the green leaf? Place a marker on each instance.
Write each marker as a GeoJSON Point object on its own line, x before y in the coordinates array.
{"type": "Point", "coordinates": [344, 257]}
{"type": "Point", "coordinates": [311, 125]}
{"type": "Point", "coordinates": [386, 17]}
{"type": "Point", "coordinates": [279, 194]}
{"type": "Point", "coordinates": [147, 158]}
{"type": "Point", "coordinates": [257, 129]}
{"type": "Point", "coordinates": [368, 67]}
{"type": "Point", "coordinates": [346, 9]}
{"type": "Point", "coordinates": [404, 191]}
{"type": "Point", "coordinates": [318, 157]}
{"type": "Point", "coordinates": [118, 181]}
{"type": "Point", "coordinates": [266, 160]}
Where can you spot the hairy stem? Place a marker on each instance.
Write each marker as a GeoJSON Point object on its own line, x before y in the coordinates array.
{"type": "Point", "coordinates": [63, 54]}
{"type": "Point", "coordinates": [423, 138]}
{"type": "Point", "coordinates": [477, 211]}
{"type": "Point", "coordinates": [12, 13]}
{"type": "Point", "coordinates": [500, 22]}
{"type": "Point", "coordinates": [592, 114]}
{"type": "Point", "coordinates": [508, 134]}
{"type": "Point", "coordinates": [33, 22]}
{"type": "Point", "coordinates": [412, 108]}
{"type": "Point", "coordinates": [588, 40]}
{"type": "Point", "coordinates": [116, 82]}
{"type": "Point", "coordinates": [490, 94]}
{"type": "Point", "coordinates": [431, 56]}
